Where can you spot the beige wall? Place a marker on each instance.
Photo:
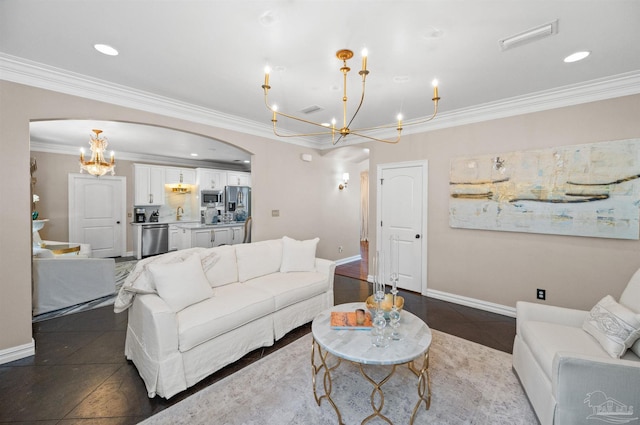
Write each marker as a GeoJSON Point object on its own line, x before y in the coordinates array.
{"type": "Point", "coordinates": [503, 267]}
{"type": "Point", "coordinates": [306, 193]}
{"type": "Point", "coordinates": [498, 267]}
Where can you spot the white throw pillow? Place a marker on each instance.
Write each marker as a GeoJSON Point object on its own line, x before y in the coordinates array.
{"type": "Point", "coordinates": [258, 258]}
{"type": "Point", "coordinates": [613, 325]}
{"type": "Point", "coordinates": [225, 269]}
{"type": "Point", "coordinates": [298, 256]}
{"type": "Point", "coordinates": [181, 284]}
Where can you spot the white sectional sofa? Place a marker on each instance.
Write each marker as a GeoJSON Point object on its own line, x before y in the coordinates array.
{"type": "Point", "coordinates": [194, 311]}
{"type": "Point", "coordinates": [580, 367]}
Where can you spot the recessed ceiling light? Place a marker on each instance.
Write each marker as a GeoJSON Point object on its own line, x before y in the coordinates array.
{"type": "Point", "coordinates": [246, 161]}
{"type": "Point", "coordinates": [577, 56]}
{"type": "Point", "coordinates": [194, 154]}
{"type": "Point", "coordinates": [105, 49]}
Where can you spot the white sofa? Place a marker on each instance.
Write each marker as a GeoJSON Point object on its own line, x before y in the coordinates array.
{"type": "Point", "coordinates": [574, 365]}
{"type": "Point", "coordinates": [257, 293]}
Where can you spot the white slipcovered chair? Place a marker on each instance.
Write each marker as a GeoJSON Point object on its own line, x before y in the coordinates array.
{"type": "Point", "coordinates": [65, 280]}
{"type": "Point", "coordinates": [574, 365]}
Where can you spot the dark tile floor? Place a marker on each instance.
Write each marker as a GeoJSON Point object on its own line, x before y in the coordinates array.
{"type": "Point", "coordinates": [79, 374]}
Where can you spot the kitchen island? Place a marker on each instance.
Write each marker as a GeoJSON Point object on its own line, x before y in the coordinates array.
{"type": "Point", "coordinates": [191, 235]}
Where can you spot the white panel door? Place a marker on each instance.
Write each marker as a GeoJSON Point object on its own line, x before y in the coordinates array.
{"type": "Point", "coordinates": [402, 212]}
{"type": "Point", "coordinates": [97, 213]}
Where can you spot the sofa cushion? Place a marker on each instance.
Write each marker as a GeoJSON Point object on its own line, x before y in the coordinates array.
{"type": "Point", "coordinates": [258, 259]}
{"type": "Point", "coordinates": [225, 269]}
{"type": "Point", "coordinates": [298, 256]}
{"type": "Point", "coordinates": [290, 288]}
{"type": "Point", "coordinates": [181, 284]}
{"type": "Point", "coordinates": [613, 325]}
{"type": "Point", "coordinates": [546, 339]}
{"type": "Point", "coordinates": [232, 306]}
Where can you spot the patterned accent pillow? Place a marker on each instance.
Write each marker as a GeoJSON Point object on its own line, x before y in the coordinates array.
{"type": "Point", "coordinates": [613, 325]}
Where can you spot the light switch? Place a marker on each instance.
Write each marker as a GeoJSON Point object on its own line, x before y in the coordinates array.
{"type": "Point", "coordinates": [275, 213]}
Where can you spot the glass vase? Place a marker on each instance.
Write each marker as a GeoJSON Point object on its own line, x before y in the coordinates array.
{"type": "Point", "coordinates": [394, 266]}
{"type": "Point", "coordinates": [378, 335]}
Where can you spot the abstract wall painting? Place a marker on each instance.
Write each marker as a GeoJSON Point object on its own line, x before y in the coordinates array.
{"type": "Point", "coordinates": [581, 190]}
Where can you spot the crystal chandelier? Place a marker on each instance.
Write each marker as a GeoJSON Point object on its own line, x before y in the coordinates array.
{"type": "Point", "coordinates": [97, 165]}
{"type": "Point", "coordinates": [345, 130]}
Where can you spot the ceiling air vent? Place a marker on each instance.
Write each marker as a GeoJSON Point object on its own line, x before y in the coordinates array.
{"type": "Point", "coordinates": [311, 109]}
{"type": "Point", "coordinates": [534, 34]}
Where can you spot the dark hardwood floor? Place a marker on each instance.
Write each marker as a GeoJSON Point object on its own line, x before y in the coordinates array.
{"type": "Point", "coordinates": [79, 374]}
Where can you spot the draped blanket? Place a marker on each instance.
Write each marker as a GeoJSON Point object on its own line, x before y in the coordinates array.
{"type": "Point", "coordinates": [140, 280]}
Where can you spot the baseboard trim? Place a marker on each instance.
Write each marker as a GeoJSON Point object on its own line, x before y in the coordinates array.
{"type": "Point", "coordinates": [472, 302]}
{"type": "Point", "coordinates": [18, 352]}
{"type": "Point", "coordinates": [348, 260]}
{"type": "Point", "coordinates": [466, 301]}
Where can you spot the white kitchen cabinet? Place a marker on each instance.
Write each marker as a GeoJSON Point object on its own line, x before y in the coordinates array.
{"type": "Point", "coordinates": [221, 236]}
{"type": "Point", "coordinates": [237, 178]}
{"type": "Point", "coordinates": [183, 239]}
{"type": "Point", "coordinates": [173, 237]}
{"type": "Point", "coordinates": [211, 179]}
{"type": "Point", "coordinates": [149, 185]}
{"type": "Point", "coordinates": [175, 175]}
{"type": "Point", "coordinates": [202, 238]}
{"type": "Point", "coordinates": [237, 235]}
{"type": "Point", "coordinates": [210, 237]}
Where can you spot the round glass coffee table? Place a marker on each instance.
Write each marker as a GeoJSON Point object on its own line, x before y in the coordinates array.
{"type": "Point", "coordinates": [355, 346]}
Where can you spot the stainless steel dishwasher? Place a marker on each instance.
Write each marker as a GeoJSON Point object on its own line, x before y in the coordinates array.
{"type": "Point", "coordinates": [155, 239]}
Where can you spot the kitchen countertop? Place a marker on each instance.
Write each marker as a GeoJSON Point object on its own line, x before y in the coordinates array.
{"type": "Point", "coordinates": [166, 222]}
{"type": "Point", "coordinates": [198, 225]}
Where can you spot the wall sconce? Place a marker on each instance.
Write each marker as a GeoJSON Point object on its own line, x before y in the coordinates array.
{"type": "Point", "coordinates": [345, 179]}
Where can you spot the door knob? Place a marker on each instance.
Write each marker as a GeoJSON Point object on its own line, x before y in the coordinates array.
{"type": "Point", "coordinates": [418, 236]}
{"type": "Point", "coordinates": [118, 222]}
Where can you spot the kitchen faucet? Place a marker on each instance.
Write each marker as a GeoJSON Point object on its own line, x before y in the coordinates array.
{"type": "Point", "coordinates": [178, 214]}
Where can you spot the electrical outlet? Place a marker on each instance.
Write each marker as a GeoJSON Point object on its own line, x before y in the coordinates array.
{"type": "Point", "coordinates": [340, 249]}
{"type": "Point", "coordinates": [541, 294]}
{"type": "Point", "coordinates": [275, 213]}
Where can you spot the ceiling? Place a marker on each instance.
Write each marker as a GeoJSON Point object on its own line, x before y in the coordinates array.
{"type": "Point", "coordinates": [209, 57]}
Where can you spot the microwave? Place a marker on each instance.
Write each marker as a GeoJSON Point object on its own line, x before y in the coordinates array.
{"type": "Point", "coordinates": [211, 198]}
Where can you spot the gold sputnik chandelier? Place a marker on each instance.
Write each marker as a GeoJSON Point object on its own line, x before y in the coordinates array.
{"type": "Point", "coordinates": [345, 130]}
{"type": "Point", "coordinates": [97, 165]}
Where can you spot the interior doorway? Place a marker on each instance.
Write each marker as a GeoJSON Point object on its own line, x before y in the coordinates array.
{"type": "Point", "coordinates": [97, 211]}
{"type": "Point", "coordinates": [402, 211]}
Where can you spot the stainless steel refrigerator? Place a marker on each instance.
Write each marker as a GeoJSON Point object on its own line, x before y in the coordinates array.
{"type": "Point", "coordinates": [237, 200]}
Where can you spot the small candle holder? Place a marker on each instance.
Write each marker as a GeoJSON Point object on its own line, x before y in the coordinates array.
{"type": "Point", "coordinates": [378, 336]}
{"type": "Point", "coordinates": [394, 314]}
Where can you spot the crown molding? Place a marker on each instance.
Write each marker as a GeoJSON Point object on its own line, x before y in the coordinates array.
{"type": "Point", "coordinates": [19, 70]}
{"type": "Point", "coordinates": [591, 91]}
{"type": "Point", "coordinates": [23, 71]}
{"type": "Point", "coordinates": [144, 158]}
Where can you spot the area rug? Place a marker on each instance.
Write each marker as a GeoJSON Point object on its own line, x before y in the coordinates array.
{"type": "Point", "coordinates": [471, 384]}
{"type": "Point", "coordinates": [123, 268]}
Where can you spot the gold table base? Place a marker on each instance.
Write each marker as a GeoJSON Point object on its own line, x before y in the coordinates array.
{"type": "Point", "coordinates": [423, 387]}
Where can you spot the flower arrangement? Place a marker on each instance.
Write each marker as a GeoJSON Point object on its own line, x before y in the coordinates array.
{"type": "Point", "coordinates": [34, 212]}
